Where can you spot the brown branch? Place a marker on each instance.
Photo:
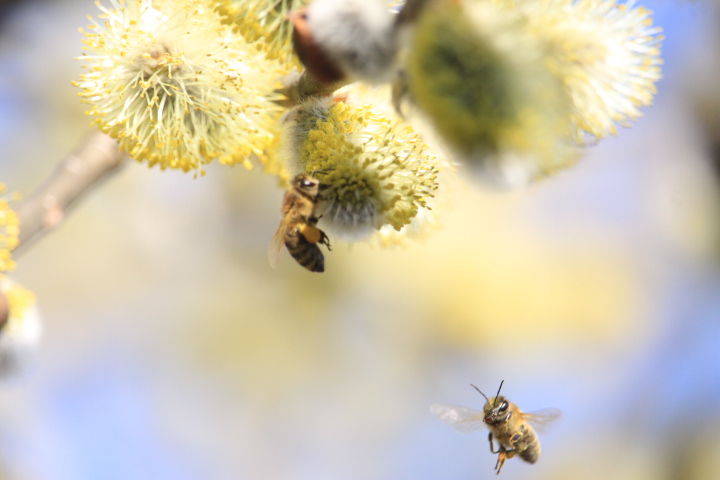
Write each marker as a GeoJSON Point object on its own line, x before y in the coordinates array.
{"type": "Point", "coordinates": [43, 210]}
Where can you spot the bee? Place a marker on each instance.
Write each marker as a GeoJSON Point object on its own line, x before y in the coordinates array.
{"type": "Point", "coordinates": [298, 230]}
{"type": "Point", "coordinates": [508, 425]}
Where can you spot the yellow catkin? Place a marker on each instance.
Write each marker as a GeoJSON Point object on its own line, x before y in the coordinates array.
{"type": "Point", "coordinates": [265, 24]}
{"type": "Point", "coordinates": [177, 87]}
{"type": "Point", "coordinates": [378, 172]}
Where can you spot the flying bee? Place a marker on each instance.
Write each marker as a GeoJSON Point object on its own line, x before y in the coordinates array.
{"type": "Point", "coordinates": [297, 230]}
{"type": "Point", "coordinates": [508, 425]}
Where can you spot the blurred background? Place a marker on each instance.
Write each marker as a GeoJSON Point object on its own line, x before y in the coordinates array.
{"type": "Point", "coordinates": [172, 351]}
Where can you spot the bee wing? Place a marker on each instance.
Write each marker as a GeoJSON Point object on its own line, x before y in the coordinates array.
{"type": "Point", "coordinates": [275, 248]}
{"type": "Point", "coordinates": [461, 418]}
{"type": "Point", "coordinates": [540, 418]}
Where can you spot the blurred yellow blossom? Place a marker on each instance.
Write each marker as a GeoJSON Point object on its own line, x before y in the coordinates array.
{"type": "Point", "coordinates": [176, 87]}
{"type": "Point", "coordinates": [478, 75]}
{"type": "Point", "coordinates": [9, 231]}
{"type": "Point", "coordinates": [421, 225]}
{"type": "Point", "coordinates": [607, 54]}
{"type": "Point", "coordinates": [20, 333]}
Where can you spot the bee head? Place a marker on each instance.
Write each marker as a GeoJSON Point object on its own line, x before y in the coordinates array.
{"type": "Point", "coordinates": [322, 171]}
{"type": "Point", "coordinates": [306, 184]}
{"type": "Point", "coordinates": [496, 410]}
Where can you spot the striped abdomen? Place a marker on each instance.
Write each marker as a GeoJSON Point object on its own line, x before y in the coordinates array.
{"type": "Point", "coordinates": [305, 253]}
{"type": "Point", "coordinates": [531, 453]}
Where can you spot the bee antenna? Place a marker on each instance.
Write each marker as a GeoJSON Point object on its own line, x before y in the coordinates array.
{"type": "Point", "coordinates": [322, 170]}
{"type": "Point", "coordinates": [481, 393]}
{"type": "Point", "coordinates": [498, 393]}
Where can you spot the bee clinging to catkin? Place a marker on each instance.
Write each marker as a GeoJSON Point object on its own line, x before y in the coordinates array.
{"type": "Point", "coordinates": [298, 230]}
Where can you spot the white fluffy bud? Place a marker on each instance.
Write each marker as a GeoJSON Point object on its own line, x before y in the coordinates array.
{"type": "Point", "coordinates": [357, 36]}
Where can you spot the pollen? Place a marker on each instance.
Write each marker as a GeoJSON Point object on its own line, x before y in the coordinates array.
{"type": "Point", "coordinates": [176, 87]}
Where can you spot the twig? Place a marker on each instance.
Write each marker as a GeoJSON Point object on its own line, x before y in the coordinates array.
{"type": "Point", "coordinates": [45, 208]}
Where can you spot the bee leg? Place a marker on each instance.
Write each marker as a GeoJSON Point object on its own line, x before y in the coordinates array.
{"type": "Point", "coordinates": [500, 461]}
{"type": "Point", "coordinates": [312, 221]}
{"type": "Point", "coordinates": [500, 451]}
{"type": "Point", "coordinates": [325, 240]}
{"type": "Point", "coordinates": [311, 233]}
{"type": "Point", "coordinates": [502, 456]}
{"type": "Point", "coordinates": [492, 447]}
